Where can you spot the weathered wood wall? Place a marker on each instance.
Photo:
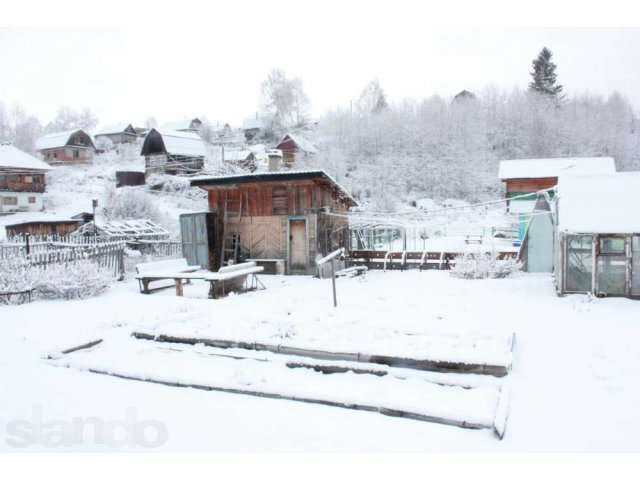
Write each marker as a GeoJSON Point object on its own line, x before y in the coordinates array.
{"type": "Point", "coordinates": [530, 184]}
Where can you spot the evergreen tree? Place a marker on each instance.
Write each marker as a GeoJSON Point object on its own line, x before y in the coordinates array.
{"type": "Point", "coordinates": [544, 76]}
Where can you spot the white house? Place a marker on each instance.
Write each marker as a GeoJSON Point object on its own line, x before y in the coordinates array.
{"type": "Point", "coordinates": [22, 180]}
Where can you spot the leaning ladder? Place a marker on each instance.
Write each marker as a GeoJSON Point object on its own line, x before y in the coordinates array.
{"type": "Point", "coordinates": [231, 231]}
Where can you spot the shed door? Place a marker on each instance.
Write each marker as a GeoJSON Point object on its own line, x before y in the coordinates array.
{"type": "Point", "coordinates": [298, 245]}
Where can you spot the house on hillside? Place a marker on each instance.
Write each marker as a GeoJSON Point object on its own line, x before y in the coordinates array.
{"type": "Point", "coordinates": [252, 129]}
{"type": "Point", "coordinates": [244, 158]}
{"type": "Point", "coordinates": [74, 146]}
{"type": "Point", "coordinates": [173, 152]}
{"type": "Point", "coordinates": [294, 148]}
{"type": "Point", "coordinates": [598, 234]}
{"type": "Point", "coordinates": [22, 180]}
{"type": "Point", "coordinates": [191, 125]}
{"type": "Point", "coordinates": [118, 133]}
{"type": "Point", "coordinates": [281, 218]}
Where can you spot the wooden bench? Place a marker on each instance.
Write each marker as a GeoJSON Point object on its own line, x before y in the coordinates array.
{"type": "Point", "coordinates": [274, 266]}
{"type": "Point", "coordinates": [176, 270]}
{"type": "Point", "coordinates": [233, 278]}
{"type": "Point", "coordinates": [473, 238]}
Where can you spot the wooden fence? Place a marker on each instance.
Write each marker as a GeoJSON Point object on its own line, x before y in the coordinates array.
{"type": "Point", "coordinates": [387, 260]}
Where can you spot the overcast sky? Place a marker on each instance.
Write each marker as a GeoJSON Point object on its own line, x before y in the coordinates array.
{"type": "Point", "coordinates": [128, 75]}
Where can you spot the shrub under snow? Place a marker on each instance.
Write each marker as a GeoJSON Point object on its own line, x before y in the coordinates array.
{"type": "Point", "coordinates": [78, 279]}
{"type": "Point", "coordinates": [478, 266]}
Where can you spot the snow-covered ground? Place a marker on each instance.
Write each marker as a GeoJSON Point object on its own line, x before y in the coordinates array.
{"type": "Point", "coordinates": [575, 379]}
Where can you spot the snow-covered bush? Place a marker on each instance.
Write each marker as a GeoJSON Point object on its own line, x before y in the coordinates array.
{"type": "Point", "coordinates": [168, 183]}
{"type": "Point", "coordinates": [480, 265]}
{"type": "Point", "coordinates": [79, 279]}
{"type": "Point", "coordinates": [131, 203]}
{"type": "Point", "coordinates": [16, 275]}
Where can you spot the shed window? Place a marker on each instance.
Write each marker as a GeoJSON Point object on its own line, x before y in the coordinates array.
{"type": "Point", "coordinates": [32, 199]}
{"type": "Point", "coordinates": [13, 178]}
{"type": "Point", "coordinates": [579, 263]}
{"type": "Point", "coordinates": [76, 154]}
{"type": "Point", "coordinates": [3, 177]}
{"type": "Point", "coordinates": [10, 200]}
{"type": "Point", "coordinates": [612, 266]}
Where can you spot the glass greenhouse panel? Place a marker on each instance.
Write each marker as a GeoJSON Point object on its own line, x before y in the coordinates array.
{"type": "Point", "coordinates": [579, 263]}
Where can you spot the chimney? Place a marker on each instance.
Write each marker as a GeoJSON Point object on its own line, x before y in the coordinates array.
{"type": "Point", "coordinates": [274, 163]}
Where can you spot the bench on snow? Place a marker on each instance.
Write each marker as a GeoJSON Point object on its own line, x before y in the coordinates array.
{"type": "Point", "coordinates": [175, 269]}
{"type": "Point", "coordinates": [241, 276]}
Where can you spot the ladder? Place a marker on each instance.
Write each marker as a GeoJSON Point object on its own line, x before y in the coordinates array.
{"type": "Point", "coordinates": [231, 231]}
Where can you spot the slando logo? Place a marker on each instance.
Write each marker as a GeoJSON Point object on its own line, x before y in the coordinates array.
{"type": "Point", "coordinates": [56, 433]}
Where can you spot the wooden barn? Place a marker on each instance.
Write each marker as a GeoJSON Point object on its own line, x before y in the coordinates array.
{"type": "Point", "coordinates": [173, 152]}
{"type": "Point", "coordinates": [252, 128]}
{"type": "Point", "coordinates": [598, 234]}
{"type": "Point", "coordinates": [285, 218]}
{"type": "Point", "coordinates": [294, 148]}
{"type": "Point", "coordinates": [22, 180]}
{"type": "Point", "coordinates": [118, 134]}
{"type": "Point", "coordinates": [192, 125]}
{"type": "Point", "coordinates": [74, 146]}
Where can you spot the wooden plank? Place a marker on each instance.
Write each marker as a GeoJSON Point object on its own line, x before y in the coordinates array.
{"type": "Point", "coordinates": [392, 361]}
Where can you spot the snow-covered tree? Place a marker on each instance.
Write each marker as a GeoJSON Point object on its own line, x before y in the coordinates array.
{"type": "Point", "coordinates": [372, 99]}
{"type": "Point", "coordinates": [544, 75]}
{"type": "Point", "coordinates": [284, 101]}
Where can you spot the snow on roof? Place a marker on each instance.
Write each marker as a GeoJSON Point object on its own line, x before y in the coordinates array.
{"type": "Point", "coordinates": [12, 157]}
{"type": "Point", "coordinates": [554, 167]}
{"type": "Point", "coordinates": [180, 124]}
{"type": "Point", "coordinates": [237, 155]}
{"type": "Point", "coordinates": [251, 123]}
{"type": "Point", "coordinates": [55, 140]}
{"type": "Point", "coordinates": [302, 143]}
{"type": "Point", "coordinates": [599, 203]}
{"type": "Point", "coordinates": [183, 143]}
{"type": "Point", "coordinates": [269, 176]}
{"type": "Point", "coordinates": [115, 128]}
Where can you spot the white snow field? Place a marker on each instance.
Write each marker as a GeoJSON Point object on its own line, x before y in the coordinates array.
{"type": "Point", "coordinates": [574, 378]}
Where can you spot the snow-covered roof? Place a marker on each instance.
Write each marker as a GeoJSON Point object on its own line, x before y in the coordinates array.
{"type": "Point", "coordinates": [599, 203]}
{"type": "Point", "coordinates": [237, 155]}
{"type": "Point", "coordinates": [56, 140]}
{"type": "Point", "coordinates": [203, 180]}
{"type": "Point", "coordinates": [251, 123]}
{"type": "Point", "coordinates": [12, 157]}
{"type": "Point", "coordinates": [180, 124]}
{"type": "Point", "coordinates": [554, 167]}
{"type": "Point", "coordinates": [135, 228]}
{"type": "Point", "coordinates": [302, 143]}
{"type": "Point", "coordinates": [183, 143]}
{"type": "Point", "coordinates": [115, 128]}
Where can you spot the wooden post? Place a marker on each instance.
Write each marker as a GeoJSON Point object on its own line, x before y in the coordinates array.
{"type": "Point", "coordinates": [26, 238]}
{"type": "Point", "coordinates": [333, 281]}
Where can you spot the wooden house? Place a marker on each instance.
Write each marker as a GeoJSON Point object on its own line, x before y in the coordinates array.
{"type": "Point", "coordinates": [74, 146]}
{"type": "Point", "coordinates": [252, 128]}
{"type": "Point", "coordinates": [598, 234]}
{"type": "Point", "coordinates": [118, 133]}
{"type": "Point", "coordinates": [192, 125]}
{"type": "Point", "coordinates": [294, 148]}
{"type": "Point", "coordinates": [173, 152]}
{"type": "Point", "coordinates": [22, 180]}
{"type": "Point", "coordinates": [285, 217]}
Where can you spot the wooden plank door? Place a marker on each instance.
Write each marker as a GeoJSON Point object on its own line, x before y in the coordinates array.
{"type": "Point", "coordinates": [297, 245]}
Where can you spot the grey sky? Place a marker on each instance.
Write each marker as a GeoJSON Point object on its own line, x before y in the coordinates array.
{"type": "Point", "coordinates": [128, 75]}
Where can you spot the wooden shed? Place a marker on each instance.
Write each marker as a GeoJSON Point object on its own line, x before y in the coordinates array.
{"type": "Point", "coordinates": [598, 234]}
{"type": "Point", "coordinates": [288, 217]}
{"type": "Point", "coordinates": [47, 225]}
{"type": "Point", "coordinates": [118, 133]}
{"type": "Point", "coordinates": [74, 146]}
{"type": "Point", "coordinates": [173, 152]}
